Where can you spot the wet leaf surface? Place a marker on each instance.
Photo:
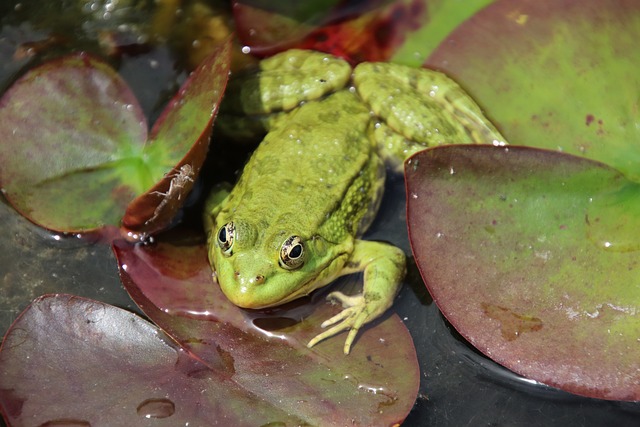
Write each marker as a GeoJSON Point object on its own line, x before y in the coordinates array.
{"type": "Point", "coordinates": [77, 362]}
{"type": "Point", "coordinates": [504, 239]}
{"type": "Point", "coordinates": [264, 352]}
{"type": "Point", "coordinates": [74, 148]}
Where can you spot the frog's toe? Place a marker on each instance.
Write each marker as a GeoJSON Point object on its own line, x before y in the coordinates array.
{"type": "Point", "coordinates": [351, 318]}
{"type": "Point", "coordinates": [346, 301]}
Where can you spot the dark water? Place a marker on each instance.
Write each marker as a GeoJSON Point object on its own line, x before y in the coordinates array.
{"type": "Point", "coordinates": [458, 386]}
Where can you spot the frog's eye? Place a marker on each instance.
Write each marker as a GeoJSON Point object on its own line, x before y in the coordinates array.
{"type": "Point", "coordinates": [226, 236]}
{"type": "Point", "coordinates": [292, 253]}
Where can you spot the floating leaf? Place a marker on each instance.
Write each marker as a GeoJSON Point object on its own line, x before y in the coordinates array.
{"type": "Point", "coordinates": [560, 75]}
{"type": "Point", "coordinates": [77, 362]}
{"type": "Point", "coordinates": [359, 31]}
{"type": "Point", "coordinates": [264, 352]}
{"type": "Point", "coordinates": [504, 239]}
{"type": "Point", "coordinates": [442, 18]}
{"type": "Point", "coordinates": [182, 132]}
{"type": "Point", "coordinates": [72, 144]}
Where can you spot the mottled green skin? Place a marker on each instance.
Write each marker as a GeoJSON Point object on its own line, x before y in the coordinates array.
{"type": "Point", "coordinates": [318, 175]}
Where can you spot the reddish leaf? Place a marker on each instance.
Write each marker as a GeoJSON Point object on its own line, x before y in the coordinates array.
{"type": "Point", "coordinates": [265, 353]}
{"type": "Point", "coordinates": [76, 362]}
{"type": "Point", "coordinates": [504, 239]}
{"type": "Point", "coordinates": [182, 132]}
{"type": "Point", "coordinates": [359, 31]}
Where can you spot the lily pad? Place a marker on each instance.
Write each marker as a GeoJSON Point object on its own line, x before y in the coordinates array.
{"type": "Point", "coordinates": [358, 31]}
{"type": "Point", "coordinates": [264, 352]}
{"type": "Point", "coordinates": [442, 17]}
{"type": "Point", "coordinates": [560, 75]}
{"type": "Point", "coordinates": [504, 239]}
{"type": "Point", "coordinates": [74, 147]}
{"type": "Point", "coordinates": [76, 362]}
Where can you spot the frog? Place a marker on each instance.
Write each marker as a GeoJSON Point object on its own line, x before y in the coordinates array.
{"type": "Point", "coordinates": [294, 220]}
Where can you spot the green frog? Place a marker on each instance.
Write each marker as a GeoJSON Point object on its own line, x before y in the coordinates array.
{"type": "Point", "coordinates": [293, 221]}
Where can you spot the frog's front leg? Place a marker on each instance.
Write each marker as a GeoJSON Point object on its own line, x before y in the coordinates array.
{"type": "Point", "coordinates": [384, 267]}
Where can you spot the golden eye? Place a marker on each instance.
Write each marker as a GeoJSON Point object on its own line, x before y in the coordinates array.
{"type": "Point", "coordinates": [226, 236]}
{"type": "Point", "coordinates": [292, 253]}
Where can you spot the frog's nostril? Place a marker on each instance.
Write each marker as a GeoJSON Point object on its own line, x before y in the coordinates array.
{"type": "Point", "coordinates": [259, 280]}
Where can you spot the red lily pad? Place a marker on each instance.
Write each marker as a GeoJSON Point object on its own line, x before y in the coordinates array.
{"type": "Point", "coordinates": [358, 31]}
{"type": "Point", "coordinates": [504, 239]}
{"type": "Point", "coordinates": [74, 147]}
{"type": "Point", "coordinates": [76, 362]}
{"type": "Point", "coordinates": [264, 352]}
{"type": "Point", "coordinates": [560, 75]}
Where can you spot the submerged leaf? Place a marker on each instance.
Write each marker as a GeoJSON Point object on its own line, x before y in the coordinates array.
{"type": "Point", "coordinates": [264, 352]}
{"type": "Point", "coordinates": [504, 239]}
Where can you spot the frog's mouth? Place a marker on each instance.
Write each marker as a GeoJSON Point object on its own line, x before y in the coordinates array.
{"type": "Point", "coordinates": [251, 298]}
{"type": "Point", "coordinates": [255, 288]}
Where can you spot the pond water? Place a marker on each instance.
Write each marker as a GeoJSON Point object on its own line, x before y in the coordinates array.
{"type": "Point", "coordinates": [459, 386]}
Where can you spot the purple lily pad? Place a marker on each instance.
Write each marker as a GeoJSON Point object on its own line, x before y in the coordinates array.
{"type": "Point", "coordinates": [76, 362]}
{"type": "Point", "coordinates": [264, 352]}
{"type": "Point", "coordinates": [74, 147]}
{"type": "Point", "coordinates": [504, 239]}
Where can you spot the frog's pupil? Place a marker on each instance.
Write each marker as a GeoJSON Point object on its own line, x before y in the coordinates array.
{"type": "Point", "coordinates": [296, 251]}
{"type": "Point", "coordinates": [222, 235]}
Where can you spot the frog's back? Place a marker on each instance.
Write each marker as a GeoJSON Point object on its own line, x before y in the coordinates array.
{"type": "Point", "coordinates": [314, 170]}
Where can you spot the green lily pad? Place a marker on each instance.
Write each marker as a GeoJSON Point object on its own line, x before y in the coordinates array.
{"type": "Point", "coordinates": [559, 75]}
{"type": "Point", "coordinates": [265, 351]}
{"type": "Point", "coordinates": [510, 244]}
{"type": "Point", "coordinates": [442, 17]}
{"type": "Point", "coordinates": [74, 149]}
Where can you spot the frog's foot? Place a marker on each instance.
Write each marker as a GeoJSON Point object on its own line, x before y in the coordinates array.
{"type": "Point", "coordinates": [354, 315]}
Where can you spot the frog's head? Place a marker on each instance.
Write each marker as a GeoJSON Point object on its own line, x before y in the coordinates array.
{"type": "Point", "coordinates": [257, 270]}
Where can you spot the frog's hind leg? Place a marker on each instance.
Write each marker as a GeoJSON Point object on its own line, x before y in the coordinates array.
{"type": "Point", "coordinates": [419, 108]}
{"type": "Point", "coordinates": [393, 147]}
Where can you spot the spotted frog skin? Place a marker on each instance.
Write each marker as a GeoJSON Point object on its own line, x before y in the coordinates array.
{"type": "Point", "coordinates": [292, 222]}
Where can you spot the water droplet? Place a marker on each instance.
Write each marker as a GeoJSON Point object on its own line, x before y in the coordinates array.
{"type": "Point", "coordinates": [371, 389]}
{"type": "Point", "coordinates": [246, 50]}
{"type": "Point", "coordinates": [156, 408]}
